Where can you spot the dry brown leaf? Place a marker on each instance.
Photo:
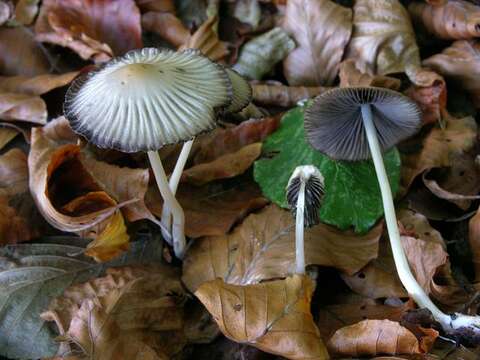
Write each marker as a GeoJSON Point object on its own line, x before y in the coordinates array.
{"type": "Point", "coordinates": [6, 12]}
{"type": "Point", "coordinates": [206, 40]}
{"type": "Point", "coordinates": [281, 95]}
{"type": "Point", "coordinates": [441, 147]}
{"type": "Point", "coordinates": [460, 62]}
{"type": "Point", "coordinates": [22, 107]}
{"type": "Point", "coordinates": [167, 25]}
{"type": "Point", "coordinates": [6, 135]}
{"type": "Point", "coordinates": [383, 41]}
{"type": "Point", "coordinates": [263, 248]}
{"type": "Point", "coordinates": [13, 173]}
{"type": "Point", "coordinates": [474, 240]}
{"type": "Point", "coordinates": [225, 206]}
{"type": "Point", "coordinates": [156, 5]}
{"type": "Point", "coordinates": [455, 19]}
{"type": "Point", "coordinates": [321, 29]}
{"type": "Point", "coordinates": [20, 54]}
{"type": "Point", "coordinates": [273, 316]}
{"type": "Point", "coordinates": [124, 315]}
{"type": "Point", "coordinates": [26, 10]}
{"type": "Point", "coordinates": [96, 29]}
{"type": "Point", "coordinates": [350, 75]}
{"type": "Point", "coordinates": [376, 337]}
{"type": "Point", "coordinates": [226, 166]}
{"type": "Point", "coordinates": [37, 85]}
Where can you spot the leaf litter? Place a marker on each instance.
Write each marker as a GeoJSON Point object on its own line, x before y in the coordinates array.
{"type": "Point", "coordinates": [84, 270]}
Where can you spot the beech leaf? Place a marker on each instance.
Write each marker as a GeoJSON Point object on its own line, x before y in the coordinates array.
{"type": "Point", "coordinates": [321, 29]}
{"type": "Point", "coordinates": [272, 316]}
{"type": "Point", "coordinates": [166, 25]}
{"type": "Point", "coordinates": [281, 95]}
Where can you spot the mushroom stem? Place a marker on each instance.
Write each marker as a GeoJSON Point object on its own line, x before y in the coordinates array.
{"type": "Point", "coordinates": [299, 230]}
{"type": "Point", "coordinates": [401, 261]}
{"type": "Point", "coordinates": [178, 235]}
{"type": "Point", "coordinates": [173, 183]}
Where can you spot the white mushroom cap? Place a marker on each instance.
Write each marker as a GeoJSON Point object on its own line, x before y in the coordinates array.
{"type": "Point", "coordinates": [148, 98]}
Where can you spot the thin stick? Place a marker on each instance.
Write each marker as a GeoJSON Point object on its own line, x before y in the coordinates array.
{"type": "Point", "coordinates": [178, 235]}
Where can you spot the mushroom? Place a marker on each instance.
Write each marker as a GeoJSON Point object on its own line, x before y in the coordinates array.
{"type": "Point", "coordinates": [145, 100]}
{"type": "Point", "coordinates": [305, 190]}
{"type": "Point", "coordinates": [361, 122]}
{"type": "Point", "coordinates": [242, 94]}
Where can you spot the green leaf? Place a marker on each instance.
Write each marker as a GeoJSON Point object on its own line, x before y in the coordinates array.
{"type": "Point", "coordinates": [352, 196]}
{"type": "Point", "coordinates": [32, 274]}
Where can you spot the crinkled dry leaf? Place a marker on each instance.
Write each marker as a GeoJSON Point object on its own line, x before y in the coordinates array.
{"type": "Point", "coordinates": [272, 316]}
{"type": "Point", "coordinates": [37, 85]}
{"type": "Point", "coordinates": [26, 10]}
{"type": "Point", "coordinates": [96, 29]}
{"type": "Point", "coordinates": [376, 337]}
{"type": "Point", "coordinates": [281, 95]}
{"type": "Point", "coordinates": [460, 62]}
{"type": "Point", "coordinates": [22, 107]}
{"type": "Point", "coordinates": [249, 12]}
{"type": "Point", "coordinates": [6, 135]}
{"type": "Point", "coordinates": [167, 25]}
{"type": "Point", "coordinates": [351, 76]}
{"type": "Point", "coordinates": [156, 5]}
{"type": "Point", "coordinates": [455, 19]}
{"type": "Point", "coordinates": [206, 40]}
{"type": "Point", "coordinates": [263, 248]}
{"type": "Point", "coordinates": [259, 55]}
{"type": "Point", "coordinates": [20, 54]}
{"type": "Point", "coordinates": [226, 166]}
{"type": "Point", "coordinates": [122, 315]}
{"type": "Point", "coordinates": [321, 30]}
{"type": "Point", "coordinates": [383, 41]}
{"type": "Point", "coordinates": [440, 148]}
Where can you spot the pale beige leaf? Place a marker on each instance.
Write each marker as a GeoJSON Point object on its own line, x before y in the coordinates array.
{"type": "Point", "coordinates": [321, 29]}
{"type": "Point", "coordinates": [272, 316]}
{"type": "Point", "coordinates": [455, 19]}
{"type": "Point", "coordinates": [281, 95]}
{"type": "Point", "coordinates": [22, 107]}
{"type": "Point", "coordinates": [37, 85]}
{"type": "Point", "coordinates": [263, 247]}
{"type": "Point", "coordinates": [350, 75]}
{"type": "Point", "coordinates": [461, 63]}
{"type": "Point", "coordinates": [383, 41]}
{"type": "Point", "coordinates": [6, 11]}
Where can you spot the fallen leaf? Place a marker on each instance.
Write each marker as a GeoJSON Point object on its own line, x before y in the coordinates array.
{"type": "Point", "coordinates": [321, 30]}
{"type": "Point", "coordinates": [26, 10]}
{"type": "Point", "coordinates": [22, 107]}
{"type": "Point", "coordinates": [383, 41]}
{"type": "Point", "coordinates": [281, 95]}
{"type": "Point", "coordinates": [263, 314]}
{"type": "Point", "coordinates": [167, 26]}
{"type": "Point", "coordinates": [455, 19]}
{"type": "Point", "coordinates": [460, 62]}
{"type": "Point", "coordinates": [6, 135]}
{"type": "Point", "coordinates": [259, 55]}
{"type": "Point", "coordinates": [96, 29]}
{"type": "Point", "coordinates": [122, 315]}
{"type": "Point", "coordinates": [440, 148]}
{"type": "Point", "coordinates": [375, 337]}
{"type": "Point", "coordinates": [226, 166]}
{"type": "Point", "coordinates": [206, 40]}
{"type": "Point", "coordinates": [263, 248]}
{"type": "Point", "coordinates": [38, 272]}
{"type": "Point", "coordinates": [474, 240]}
{"type": "Point", "coordinates": [20, 54]}
{"type": "Point", "coordinates": [350, 75]}
{"type": "Point", "coordinates": [248, 12]}
{"type": "Point", "coordinates": [37, 85]}
{"type": "Point", "coordinates": [156, 5]}
{"type": "Point", "coordinates": [6, 12]}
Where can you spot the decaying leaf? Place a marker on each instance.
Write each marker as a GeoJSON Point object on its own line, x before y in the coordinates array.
{"type": "Point", "coordinates": [122, 315]}
{"type": "Point", "coordinates": [281, 95]}
{"type": "Point", "coordinates": [96, 29]}
{"type": "Point", "coordinates": [321, 30]}
{"type": "Point", "coordinates": [206, 40]}
{"type": "Point", "coordinates": [37, 85]}
{"type": "Point", "coordinates": [7, 134]}
{"type": "Point", "coordinates": [166, 25]}
{"type": "Point", "coordinates": [383, 41]}
{"type": "Point", "coordinates": [455, 19]}
{"type": "Point", "coordinates": [259, 55]}
{"type": "Point", "coordinates": [376, 337]}
{"type": "Point", "coordinates": [272, 316]}
{"type": "Point", "coordinates": [26, 10]}
{"type": "Point", "coordinates": [460, 62]}
{"type": "Point", "coordinates": [6, 12]}
{"type": "Point", "coordinates": [474, 240]}
{"type": "Point", "coordinates": [350, 75]}
{"type": "Point", "coordinates": [440, 148]}
{"type": "Point", "coordinates": [263, 248]}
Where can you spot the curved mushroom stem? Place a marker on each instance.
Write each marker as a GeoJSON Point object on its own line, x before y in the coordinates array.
{"type": "Point", "coordinates": [299, 231]}
{"type": "Point", "coordinates": [173, 183]}
{"type": "Point", "coordinates": [178, 235]}
{"type": "Point", "coordinates": [448, 322]}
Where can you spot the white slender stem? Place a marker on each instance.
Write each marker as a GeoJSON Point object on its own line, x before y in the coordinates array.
{"type": "Point", "coordinates": [173, 183]}
{"type": "Point", "coordinates": [401, 261]}
{"type": "Point", "coordinates": [299, 231]}
{"type": "Point", "coordinates": [178, 235]}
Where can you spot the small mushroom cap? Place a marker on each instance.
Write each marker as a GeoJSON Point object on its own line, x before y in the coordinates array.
{"type": "Point", "coordinates": [334, 123]}
{"type": "Point", "coordinates": [242, 92]}
{"type": "Point", "coordinates": [148, 98]}
{"type": "Point", "coordinates": [314, 192]}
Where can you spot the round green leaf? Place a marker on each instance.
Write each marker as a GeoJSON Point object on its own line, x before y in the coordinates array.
{"type": "Point", "coordinates": [352, 196]}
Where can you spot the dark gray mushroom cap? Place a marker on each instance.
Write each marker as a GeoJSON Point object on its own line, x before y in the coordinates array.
{"type": "Point", "coordinates": [334, 123]}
